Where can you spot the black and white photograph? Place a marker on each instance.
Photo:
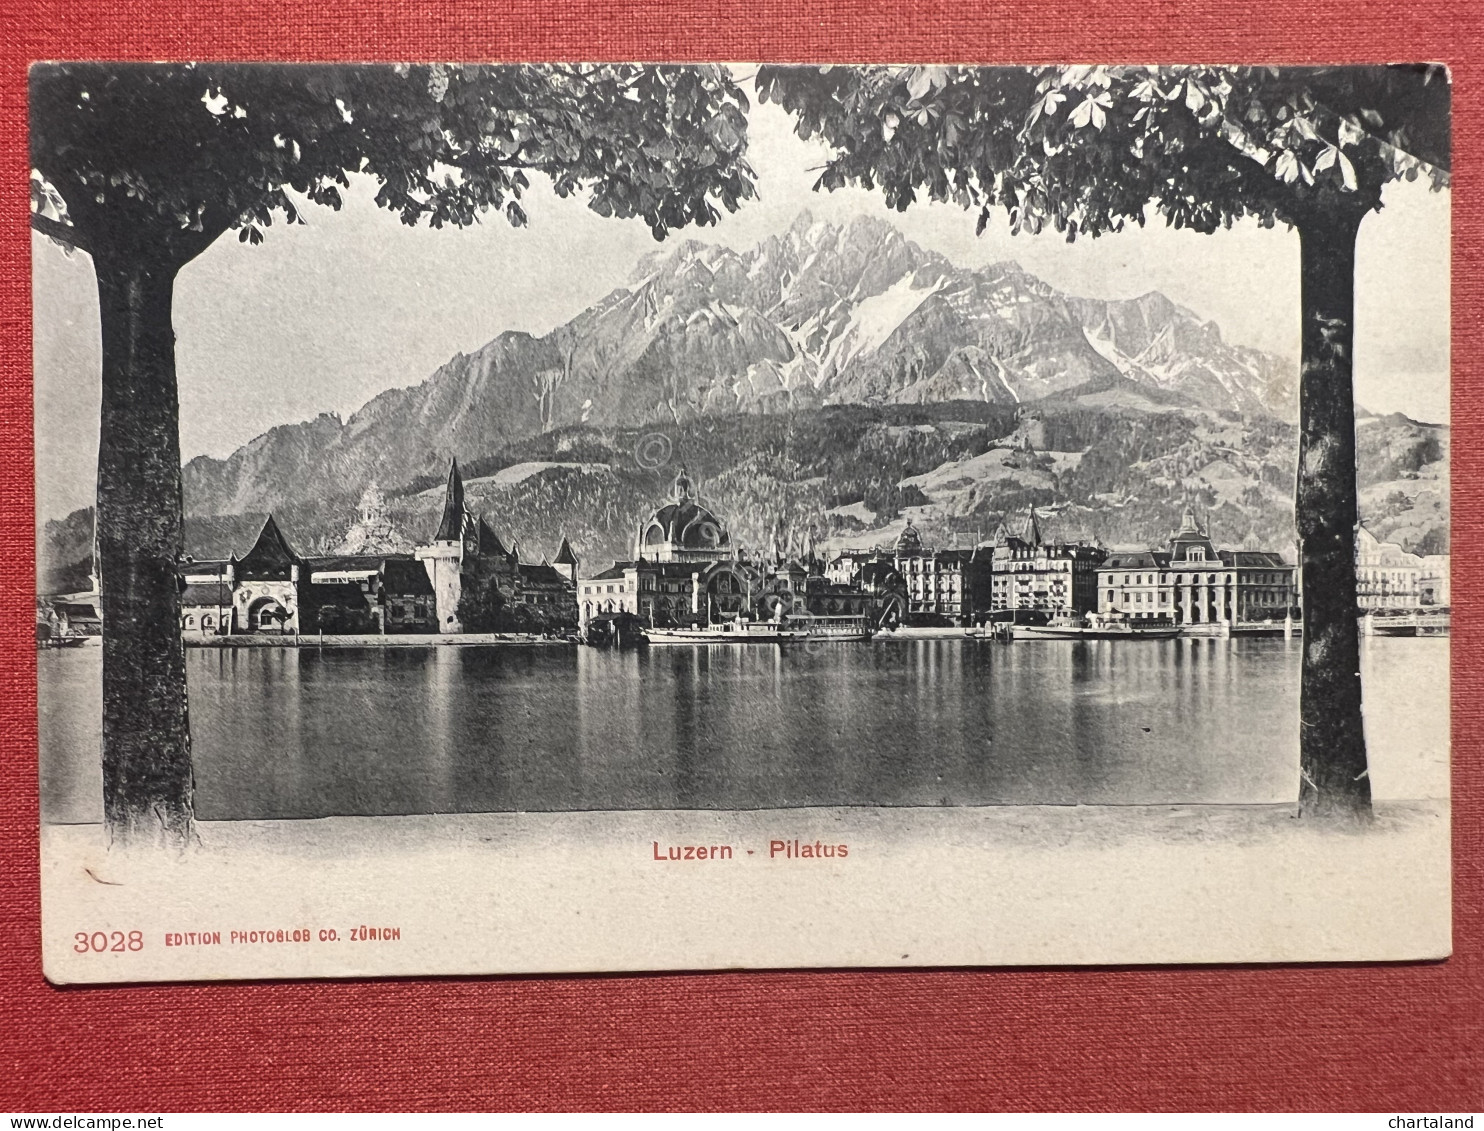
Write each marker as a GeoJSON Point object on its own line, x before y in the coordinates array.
{"type": "Point", "coordinates": [578, 517]}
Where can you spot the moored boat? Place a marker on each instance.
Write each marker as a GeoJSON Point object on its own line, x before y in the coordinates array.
{"type": "Point", "coordinates": [729, 632]}
{"type": "Point", "coordinates": [833, 629]}
{"type": "Point", "coordinates": [1094, 626]}
{"type": "Point", "coordinates": [66, 641]}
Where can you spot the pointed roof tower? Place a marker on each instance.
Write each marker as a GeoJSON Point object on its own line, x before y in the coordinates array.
{"type": "Point", "coordinates": [1032, 526]}
{"type": "Point", "coordinates": [489, 541]}
{"type": "Point", "coordinates": [564, 555]}
{"type": "Point", "coordinates": [451, 528]}
{"type": "Point", "coordinates": [270, 557]}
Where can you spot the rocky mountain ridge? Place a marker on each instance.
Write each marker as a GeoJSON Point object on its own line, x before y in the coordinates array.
{"type": "Point", "coordinates": [818, 315]}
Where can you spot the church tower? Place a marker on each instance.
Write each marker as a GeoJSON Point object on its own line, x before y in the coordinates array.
{"type": "Point", "coordinates": [444, 557]}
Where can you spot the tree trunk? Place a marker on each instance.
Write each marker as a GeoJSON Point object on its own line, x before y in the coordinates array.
{"type": "Point", "coordinates": [147, 779]}
{"type": "Point", "coordinates": [1332, 755]}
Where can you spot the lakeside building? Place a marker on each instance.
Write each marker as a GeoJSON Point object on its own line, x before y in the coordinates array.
{"type": "Point", "coordinates": [963, 586]}
{"type": "Point", "coordinates": [1032, 573]}
{"type": "Point", "coordinates": [923, 585]}
{"type": "Point", "coordinates": [68, 616]}
{"type": "Point", "coordinates": [1192, 582]}
{"type": "Point", "coordinates": [685, 569]}
{"type": "Point", "coordinates": [271, 590]}
{"type": "Point", "coordinates": [1388, 577]}
{"type": "Point", "coordinates": [475, 577]}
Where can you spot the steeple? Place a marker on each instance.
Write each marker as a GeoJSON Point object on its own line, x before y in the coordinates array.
{"type": "Point", "coordinates": [1188, 524]}
{"type": "Point", "coordinates": [451, 528]}
{"type": "Point", "coordinates": [685, 487]}
{"type": "Point", "coordinates": [1032, 527]}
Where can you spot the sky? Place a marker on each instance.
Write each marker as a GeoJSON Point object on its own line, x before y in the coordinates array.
{"type": "Point", "coordinates": [323, 316]}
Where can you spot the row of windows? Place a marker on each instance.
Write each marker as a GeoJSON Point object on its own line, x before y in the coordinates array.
{"type": "Point", "coordinates": [1274, 578]}
{"type": "Point", "coordinates": [590, 589]}
{"type": "Point", "coordinates": [264, 619]}
{"type": "Point", "coordinates": [1164, 579]}
{"type": "Point", "coordinates": [1389, 575]}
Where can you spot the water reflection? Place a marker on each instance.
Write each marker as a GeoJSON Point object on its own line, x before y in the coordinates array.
{"type": "Point", "coordinates": [283, 732]}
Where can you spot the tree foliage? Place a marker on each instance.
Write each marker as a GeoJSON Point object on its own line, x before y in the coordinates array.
{"type": "Point", "coordinates": [1084, 150]}
{"type": "Point", "coordinates": [178, 154]}
{"type": "Point", "coordinates": [481, 605]}
{"type": "Point", "coordinates": [145, 166]}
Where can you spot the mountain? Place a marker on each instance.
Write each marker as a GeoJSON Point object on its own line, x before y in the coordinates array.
{"type": "Point", "coordinates": [818, 315]}
{"type": "Point", "coordinates": [833, 377]}
{"type": "Point", "coordinates": [855, 473]}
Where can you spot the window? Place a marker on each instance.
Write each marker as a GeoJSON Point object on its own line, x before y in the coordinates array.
{"type": "Point", "coordinates": [208, 622]}
{"type": "Point", "coordinates": [190, 622]}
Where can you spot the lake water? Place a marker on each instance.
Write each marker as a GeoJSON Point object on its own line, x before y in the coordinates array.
{"type": "Point", "coordinates": [285, 732]}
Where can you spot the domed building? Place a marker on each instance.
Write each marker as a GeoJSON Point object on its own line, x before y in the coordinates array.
{"type": "Point", "coordinates": [682, 530]}
{"type": "Point", "coordinates": [686, 569]}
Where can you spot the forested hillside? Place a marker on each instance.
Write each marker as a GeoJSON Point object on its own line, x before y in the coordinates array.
{"type": "Point", "coordinates": [855, 473]}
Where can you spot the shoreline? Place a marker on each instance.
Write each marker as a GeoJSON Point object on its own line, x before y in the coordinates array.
{"type": "Point", "coordinates": [398, 640]}
{"type": "Point", "coordinates": [497, 639]}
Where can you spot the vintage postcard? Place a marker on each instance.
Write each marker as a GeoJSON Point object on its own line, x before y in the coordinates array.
{"type": "Point", "coordinates": [578, 517]}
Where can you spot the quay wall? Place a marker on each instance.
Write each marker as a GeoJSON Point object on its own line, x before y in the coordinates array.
{"type": "Point", "coordinates": [397, 640]}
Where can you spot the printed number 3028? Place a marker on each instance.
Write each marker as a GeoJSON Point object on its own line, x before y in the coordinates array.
{"type": "Point", "coordinates": [100, 941]}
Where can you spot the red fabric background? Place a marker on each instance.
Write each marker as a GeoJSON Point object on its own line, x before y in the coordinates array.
{"type": "Point", "coordinates": [1380, 1038]}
